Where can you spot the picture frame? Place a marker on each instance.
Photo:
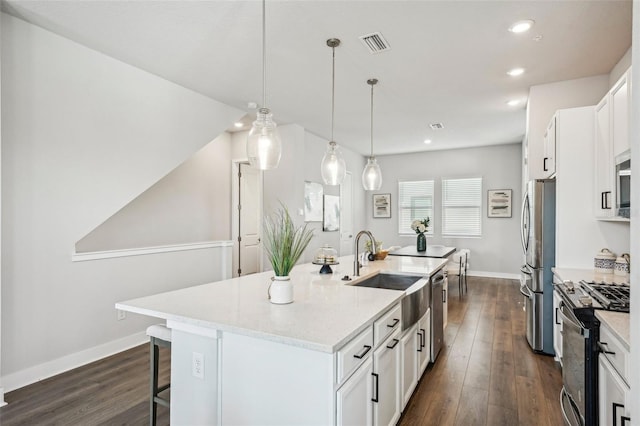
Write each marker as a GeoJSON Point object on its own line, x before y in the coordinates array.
{"type": "Point", "coordinates": [313, 193]}
{"type": "Point", "coordinates": [381, 205]}
{"type": "Point", "coordinates": [331, 216]}
{"type": "Point", "coordinates": [499, 203]}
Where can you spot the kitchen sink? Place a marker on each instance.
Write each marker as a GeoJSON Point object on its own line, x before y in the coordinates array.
{"type": "Point", "coordinates": [414, 303]}
{"type": "Point", "coordinates": [389, 281]}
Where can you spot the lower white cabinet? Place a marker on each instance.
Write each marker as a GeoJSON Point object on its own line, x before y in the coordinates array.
{"type": "Point", "coordinates": [386, 381]}
{"type": "Point", "coordinates": [614, 395]}
{"type": "Point", "coordinates": [354, 398]}
{"type": "Point", "coordinates": [411, 342]}
{"type": "Point", "coordinates": [424, 342]}
{"type": "Point", "coordinates": [557, 328]}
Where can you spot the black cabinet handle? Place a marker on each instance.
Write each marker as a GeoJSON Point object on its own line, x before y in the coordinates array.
{"type": "Point", "coordinates": [444, 295]}
{"type": "Point", "coordinates": [395, 322]}
{"type": "Point", "coordinates": [375, 387]}
{"type": "Point", "coordinates": [625, 419]}
{"type": "Point", "coordinates": [557, 322]}
{"type": "Point", "coordinates": [602, 345]}
{"type": "Point", "coordinates": [366, 350]}
{"type": "Point", "coordinates": [606, 200]}
{"type": "Point", "coordinates": [544, 164]}
{"type": "Point", "coordinates": [602, 203]}
{"type": "Point", "coordinates": [424, 337]}
{"type": "Point", "coordinates": [420, 344]}
{"type": "Point", "coordinates": [615, 406]}
{"type": "Point", "coordinates": [394, 344]}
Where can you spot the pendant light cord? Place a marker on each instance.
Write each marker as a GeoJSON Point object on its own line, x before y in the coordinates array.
{"type": "Point", "coordinates": [333, 88]}
{"type": "Point", "coordinates": [264, 55]}
{"type": "Point", "coordinates": [371, 121]}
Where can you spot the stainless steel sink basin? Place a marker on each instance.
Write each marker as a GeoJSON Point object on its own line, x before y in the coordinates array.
{"type": "Point", "coordinates": [415, 302]}
{"type": "Point", "coordinates": [389, 281]}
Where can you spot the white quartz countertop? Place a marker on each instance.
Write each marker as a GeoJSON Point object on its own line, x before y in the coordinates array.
{"type": "Point", "coordinates": [617, 322]}
{"type": "Point", "coordinates": [326, 312]}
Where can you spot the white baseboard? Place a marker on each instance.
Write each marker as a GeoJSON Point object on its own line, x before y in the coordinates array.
{"type": "Point", "coordinates": [493, 275]}
{"type": "Point", "coordinates": [48, 369]}
{"type": "Point", "coordinates": [2, 401]}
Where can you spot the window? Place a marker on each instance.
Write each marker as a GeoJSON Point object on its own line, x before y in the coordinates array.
{"type": "Point", "coordinates": [415, 201]}
{"type": "Point", "coordinates": [462, 207]}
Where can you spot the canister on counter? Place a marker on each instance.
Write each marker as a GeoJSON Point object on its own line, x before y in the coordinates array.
{"type": "Point", "coordinates": [604, 262]}
{"type": "Point", "coordinates": [622, 266]}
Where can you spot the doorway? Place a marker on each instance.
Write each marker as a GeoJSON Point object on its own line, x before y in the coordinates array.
{"type": "Point", "coordinates": [247, 214]}
{"type": "Point", "coordinates": [346, 216]}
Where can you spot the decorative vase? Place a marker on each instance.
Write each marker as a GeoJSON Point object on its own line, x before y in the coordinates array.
{"type": "Point", "coordinates": [422, 242]}
{"type": "Point", "coordinates": [280, 290]}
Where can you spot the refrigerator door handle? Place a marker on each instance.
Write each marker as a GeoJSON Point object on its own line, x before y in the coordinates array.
{"type": "Point", "coordinates": [528, 293]}
{"type": "Point", "coordinates": [524, 224]}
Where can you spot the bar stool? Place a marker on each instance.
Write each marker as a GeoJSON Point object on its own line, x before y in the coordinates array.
{"type": "Point", "coordinates": [159, 335]}
{"type": "Point", "coordinates": [458, 265]}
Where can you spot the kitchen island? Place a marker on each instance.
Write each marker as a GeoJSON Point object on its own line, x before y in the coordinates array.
{"type": "Point", "coordinates": [280, 364]}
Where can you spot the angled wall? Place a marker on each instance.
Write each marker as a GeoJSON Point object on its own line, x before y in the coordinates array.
{"type": "Point", "coordinates": [82, 136]}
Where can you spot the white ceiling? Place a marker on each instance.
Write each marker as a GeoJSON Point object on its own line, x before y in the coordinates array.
{"type": "Point", "coordinates": [447, 63]}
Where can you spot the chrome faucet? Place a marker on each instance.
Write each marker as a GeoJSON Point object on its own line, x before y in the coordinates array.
{"type": "Point", "coordinates": [356, 261]}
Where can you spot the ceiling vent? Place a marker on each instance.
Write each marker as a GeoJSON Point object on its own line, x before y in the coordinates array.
{"type": "Point", "coordinates": [436, 126]}
{"type": "Point", "coordinates": [375, 42]}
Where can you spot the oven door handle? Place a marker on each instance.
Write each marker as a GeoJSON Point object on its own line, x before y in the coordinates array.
{"type": "Point", "coordinates": [572, 320]}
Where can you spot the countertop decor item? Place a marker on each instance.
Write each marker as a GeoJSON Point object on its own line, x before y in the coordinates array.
{"type": "Point", "coordinates": [421, 226]}
{"type": "Point", "coordinates": [604, 261]}
{"type": "Point", "coordinates": [326, 256]}
{"type": "Point", "coordinates": [284, 242]}
{"type": "Point", "coordinates": [333, 167]}
{"type": "Point", "coordinates": [622, 266]}
{"type": "Point", "coordinates": [372, 175]}
{"type": "Point", "coordinates": [264, 147]}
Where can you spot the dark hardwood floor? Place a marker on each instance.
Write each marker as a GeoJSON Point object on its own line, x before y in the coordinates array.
{"type": "Point", "coordinates": [485, 375]}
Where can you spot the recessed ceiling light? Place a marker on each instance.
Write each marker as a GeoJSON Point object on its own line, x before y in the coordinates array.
{"type": "Point", "coordinates": [238, 124]}
{"type": "Point", "coordinates": [427, 141]}
{"type": "Point", "coordinates": [436, 126]}
{"type": "Point", "coordinates": [515, 72]}
{"type": "Point", "coordinates": [514, 102]}
{"type": "Point", "coordinates": [521, 26]}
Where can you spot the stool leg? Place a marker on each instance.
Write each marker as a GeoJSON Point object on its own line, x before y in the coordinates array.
{"type": "Point", "coordinates": [153, 406]}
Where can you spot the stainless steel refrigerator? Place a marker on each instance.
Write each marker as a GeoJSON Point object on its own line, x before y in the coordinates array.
{"type": "Point", "coordinates": [538, 235]}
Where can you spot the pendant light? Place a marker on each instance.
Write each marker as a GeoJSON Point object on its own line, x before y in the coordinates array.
{"type": "Point", "coordinates": [263, 142]}
{"type": "Point", "coordinates": [371, 175]}
{"type": "Point", "coordinates": [333, 167]}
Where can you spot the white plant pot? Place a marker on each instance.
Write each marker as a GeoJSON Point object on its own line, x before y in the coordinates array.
{"type": "Point", "coordinates": [281, 290]}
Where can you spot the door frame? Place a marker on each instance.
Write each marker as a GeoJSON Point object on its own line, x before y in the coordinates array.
{"type": "Point", "coordinates": [235, 216]}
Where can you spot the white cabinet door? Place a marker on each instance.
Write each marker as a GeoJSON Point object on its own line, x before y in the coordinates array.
{"type": "Point", "coordinates": [424, 342]}
{"type": "Point", "coordinates": [604, 162]}
{"type": "Point", "coordinates": [549, 160]}
{"type": "Point", "coordinates": [557, 328]}
{"type": "Point", "coordinates": [354, 399]}
{"type": "Point", "coordinates": [613, 395]}
{"type": "Point", "coordinates": [620, 109]}
{"type": "Point", "coordinates": [386, 382]}
{"type": "Point", "coordinates": [409, 345]}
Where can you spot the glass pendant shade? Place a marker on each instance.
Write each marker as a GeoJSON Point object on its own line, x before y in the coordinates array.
{"type": "Point", "coordinates": [372, 175]}
{"type": "Point", "coordinates": [264, 147]}
{"type": "Point", "coordinates": [333, 167]}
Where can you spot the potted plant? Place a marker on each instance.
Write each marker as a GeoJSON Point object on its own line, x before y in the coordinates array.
{"type": "Point", "coordinates": [421, 226]}
{"type": "Point", "coordinates": [284, 242]}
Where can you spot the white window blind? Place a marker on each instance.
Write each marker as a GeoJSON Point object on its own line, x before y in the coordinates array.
{"type": "Point", "coordinates": [462, 207]}
{"type": "Point", "coordinates": [415, 201]}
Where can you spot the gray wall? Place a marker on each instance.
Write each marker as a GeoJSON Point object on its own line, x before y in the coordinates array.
{"type": "Point", "coordinates": [82, 136]}
{"type": "Point", "coordinates": [188, 205]}
{"type": "Point", "coordinates": [498, 251]}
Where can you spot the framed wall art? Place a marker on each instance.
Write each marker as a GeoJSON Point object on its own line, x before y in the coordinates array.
{"type": "Point", "coordinates": [313, 202]}
{"type": "Point", "coordinates": [499, 203]}
{"type": "Point", "coordinates": [331, 213]}
{"type": "Point", "coordinates": [382, 205]}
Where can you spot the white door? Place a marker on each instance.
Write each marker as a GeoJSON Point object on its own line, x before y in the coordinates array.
{"type": "Point", "coordinates": [386, 387]}
{"type": "Point", "coordinates": [424, 342]}
{"type": "Point", "coordinates": [409, 346]}
{"type": "Point", "coordinates": [249, 220]}
{"type": "Point", "coordinates": [346, 216]}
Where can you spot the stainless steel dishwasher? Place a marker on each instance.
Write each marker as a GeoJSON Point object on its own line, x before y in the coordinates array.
{"type": "Point", "coordinates": [438, 298]}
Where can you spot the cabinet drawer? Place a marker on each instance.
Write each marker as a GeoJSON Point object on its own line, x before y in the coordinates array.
{"type": "Point", "coordinates": [618, 356]}
{"type": "Point", "coordinates": [387, 324]}
{"type": "Point", "coordinates": [354, 353]}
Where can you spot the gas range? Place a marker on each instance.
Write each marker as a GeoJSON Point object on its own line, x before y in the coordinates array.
{"type": "Point", "coordinates": [597, 295]}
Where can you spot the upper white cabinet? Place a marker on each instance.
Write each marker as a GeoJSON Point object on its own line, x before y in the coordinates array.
{"type": "Point", "coordinates": [549, 159]}
{"type": "Point", "coordinates": [620, 109]}
{"type": "Point", "coordinates": [611, 139]}
{"type": "Point", "coordinates": [604, 169]}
